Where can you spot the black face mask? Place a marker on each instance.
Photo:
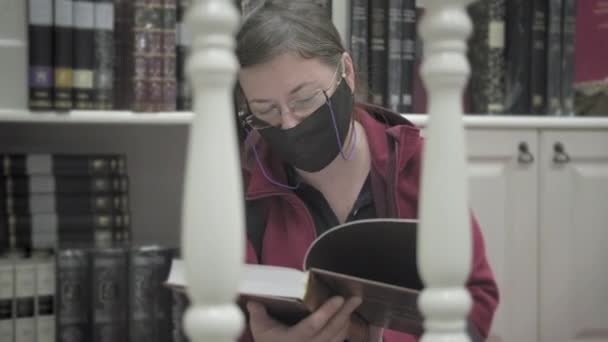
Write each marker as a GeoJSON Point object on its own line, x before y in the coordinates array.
{"type": "Point", "coordinates": [313, 143]}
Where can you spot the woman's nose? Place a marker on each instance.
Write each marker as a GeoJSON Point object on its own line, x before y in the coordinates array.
{"type": "Point", "coordinates": [288, 118]}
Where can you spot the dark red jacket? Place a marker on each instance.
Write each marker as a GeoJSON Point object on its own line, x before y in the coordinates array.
{"type": "Point", "coordinates": [396, 148]}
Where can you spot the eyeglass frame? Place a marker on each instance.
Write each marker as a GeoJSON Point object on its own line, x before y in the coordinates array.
{"type": "Point", "coordinates": [248, 116]}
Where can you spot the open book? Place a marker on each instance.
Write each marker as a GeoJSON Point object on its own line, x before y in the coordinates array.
{"type": "Point", "coordinates": [374, 259]}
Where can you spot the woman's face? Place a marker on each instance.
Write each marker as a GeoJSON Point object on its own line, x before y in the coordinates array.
{"type": "Point", "coordinates": [286, 89]}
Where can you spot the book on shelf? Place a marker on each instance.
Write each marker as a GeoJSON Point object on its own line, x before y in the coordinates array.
{"type": "Point", "coordinates": [49, 201]}
{"type": "Point", "coordinates": [374, 259]}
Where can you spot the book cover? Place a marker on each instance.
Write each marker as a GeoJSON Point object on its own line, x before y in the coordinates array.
{"type": "Point", "coordinates": [104, 55]}
{"type": "Point", "coordinates": [45, 298]}
{"type": "Point", "coordinates": [63, 28]}
{"type": "Point", "coordinates": [83, 54]}
{"type": "Point", "coordinates": [354, 259]}
{"type": "Point", "coordinates": [40, 43]}
{"type": "Point", "coordinates": [73, 296]}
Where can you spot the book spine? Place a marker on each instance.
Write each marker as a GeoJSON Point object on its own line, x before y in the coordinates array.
{"type": "Point", "coordinates": [34, 164]}
{"type": "Point", "coordinates": [359, 39]}
{"type": "Point", "coordinates": [84, 57]}
{"type": "Point", "coordinates": [180, 304]}
{"type": "Point", "coordinates": [70, 204]}
{"type": "Point", "coordinates": [138, 87]}
{"type": "Point", "coordinates": [104, 54]}
{"type": "Point", "coordinates": [73, 296]}
{"type": "Point", "coordinates": [184, 89]}
{"type": "Point", "coordinates": [150, 301]}
{"type": "Point", "coordinates": [36, 184]}
{"type": "Point", "coordinates": [7, 299]}
{"type": "Point", "coordinates": [169, 43]}
{"type": "Point", "coordinates": [420, 101]}
{"type": "Point", "coordinates": [568, 56]}
{"type": "Point", "coordinates": [121, 54]}
{"type": "Point", "coordinates": [408, 56]}
{"type": "Point", "coordinates": [164, 300]}
{"type": "Point", "coordinates": [538, 57]}
{"type": "Point", "coordinates": [518, 52]}
{"type": "Point", "coordinates": [62, 98]}
{"type": "Point", "coordinates": [25, 285]}
{"type": "Point", "coordinates": [393, 64]}
{"type": "Point", "coordinates": [109, 294]}
{"type": "Point", "coordinates": [40, 35]}
{"type": "Point", "coordinates": [554, 57]}
{"type": "Point", "coordinates": [45, 298]}
{"type": "Point", "coordinates": [142, 327]}
{"type": "Point", "coordinates": [154, 56]}
{"type": "Point", "coordinates": [378, 51]}
{"type": "Point", "coordinates": [486, 55]}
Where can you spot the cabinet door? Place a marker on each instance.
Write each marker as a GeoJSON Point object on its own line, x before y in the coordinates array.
{"type": "Point", "coordinates": [574, 236]}
{"type": "Point", "coordinates": [503, 193]}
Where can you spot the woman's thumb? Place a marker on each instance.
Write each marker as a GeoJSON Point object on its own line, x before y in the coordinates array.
{"type": "Point", "coordinates": [259, 319]}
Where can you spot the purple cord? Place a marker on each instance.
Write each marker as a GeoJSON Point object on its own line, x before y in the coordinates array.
{"type": "Point", "coordinates": [286, 186]}
{"type": "Point", "coordinates": [333, 119]}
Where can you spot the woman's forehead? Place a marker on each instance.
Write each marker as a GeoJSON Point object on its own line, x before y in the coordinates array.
{"type": "Point", "coordinates": [285, 70]}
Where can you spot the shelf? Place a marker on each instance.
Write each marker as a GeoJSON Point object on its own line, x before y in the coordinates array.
{"type": "Point", "coordinates": [95, 117]}
{"type": "Point", "coordinates": [521, 121]}
{"type": "Point", "coordinates": [184, 118]}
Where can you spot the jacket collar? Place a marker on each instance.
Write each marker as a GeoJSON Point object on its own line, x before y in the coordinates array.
{"type": "Point", "coordinates": [389, 134]}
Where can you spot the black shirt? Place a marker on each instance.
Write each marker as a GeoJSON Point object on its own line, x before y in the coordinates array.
{"type": "Point", "coordinates": [320, 210]}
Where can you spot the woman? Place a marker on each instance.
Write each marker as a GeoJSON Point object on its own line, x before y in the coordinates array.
{"type": "Point", "coordinates": [314, 159]}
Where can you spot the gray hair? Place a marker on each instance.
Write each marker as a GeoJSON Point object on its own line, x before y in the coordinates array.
{"type": "Point", "coordinates": [279, 26]}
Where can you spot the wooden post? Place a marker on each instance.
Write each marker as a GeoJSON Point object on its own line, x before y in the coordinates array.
{"type": "Point", "coordinates": [213, 214]}
{"type": "Point", "coordinates": [444, 245]}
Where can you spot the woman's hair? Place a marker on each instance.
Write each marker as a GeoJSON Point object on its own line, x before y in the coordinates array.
{"type": "Point", "coordinates": [279, 26]}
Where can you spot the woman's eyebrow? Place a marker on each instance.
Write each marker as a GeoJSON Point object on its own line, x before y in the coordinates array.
{"type": "Point", "coordinates": [291, 92]}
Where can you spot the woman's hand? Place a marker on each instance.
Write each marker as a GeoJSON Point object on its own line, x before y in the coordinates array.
{"type": "Point", "coordinates": [330, 323]}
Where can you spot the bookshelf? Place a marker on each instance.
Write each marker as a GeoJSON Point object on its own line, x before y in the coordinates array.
{"type": "Point", "coordinates": [155, 145]}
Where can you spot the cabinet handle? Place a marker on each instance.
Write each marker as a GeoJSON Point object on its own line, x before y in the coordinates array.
{"type": "Point", "coordinates": [560, 156]}
{"type": "Point", "coordinates": [525, 157]}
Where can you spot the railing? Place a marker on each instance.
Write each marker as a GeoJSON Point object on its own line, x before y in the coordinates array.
{"type": "Point", "coordinates": [213, 217]}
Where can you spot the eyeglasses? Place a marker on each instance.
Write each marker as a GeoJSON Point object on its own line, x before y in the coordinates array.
{"type": "Point", "coordinates": [261, 118]}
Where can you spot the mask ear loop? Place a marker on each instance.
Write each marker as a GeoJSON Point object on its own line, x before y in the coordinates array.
{"type": "Point", "coordinates": [333, 119]}
{"type": "Point", "coordinates": [257, 159]}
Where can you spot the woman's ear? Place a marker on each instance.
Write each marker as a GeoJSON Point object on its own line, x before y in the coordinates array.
{"type": "Point", "coordinates": [349, 71]}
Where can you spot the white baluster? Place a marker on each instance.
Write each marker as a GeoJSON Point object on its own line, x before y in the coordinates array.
{"type": "Point", "coordinates": [213, 214]}
{"type": "Point", "coordinates": [445, 230]}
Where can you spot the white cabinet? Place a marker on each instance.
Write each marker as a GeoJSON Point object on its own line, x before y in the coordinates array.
{"type": "Point", "coordinates": [574, 236]}
{"type": "Point", "coordinates": [545, 224]}
{"type": "Point", "coordinates": [504, 196]}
